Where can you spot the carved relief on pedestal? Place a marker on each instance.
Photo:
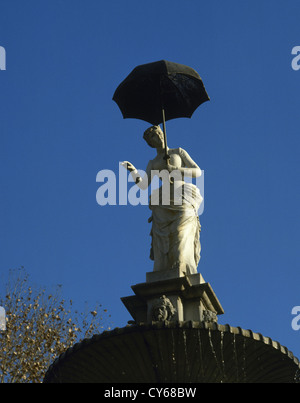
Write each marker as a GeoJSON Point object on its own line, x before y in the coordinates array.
{"type": "Point", "coordinates": [209, 316]}
{"type": "Point", "coordinates": [162, 309]}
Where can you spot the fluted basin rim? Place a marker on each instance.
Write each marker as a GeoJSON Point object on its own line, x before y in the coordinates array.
{"type": "Point", "coordinates": [213, 327]}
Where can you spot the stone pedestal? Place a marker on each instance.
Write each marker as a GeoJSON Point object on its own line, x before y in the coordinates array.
{"type": "Point", "coordinates": [171, 295]}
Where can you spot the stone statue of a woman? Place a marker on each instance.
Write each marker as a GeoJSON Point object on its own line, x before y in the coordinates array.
{"type": "Point", "coordinates": [175, 223]}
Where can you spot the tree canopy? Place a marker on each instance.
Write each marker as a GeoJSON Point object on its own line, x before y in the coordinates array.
{"type": "Point", "coordinates": [40, 325]}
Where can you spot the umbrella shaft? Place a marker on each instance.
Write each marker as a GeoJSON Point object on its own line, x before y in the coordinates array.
{"type": "Point", "coordinates": [165, 135]}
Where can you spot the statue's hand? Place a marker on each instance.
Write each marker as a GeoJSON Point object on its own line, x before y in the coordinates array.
{"type": "Point", "coordinates": [169, 167]}
{"type": "Point", "coordinates": [128, 165]}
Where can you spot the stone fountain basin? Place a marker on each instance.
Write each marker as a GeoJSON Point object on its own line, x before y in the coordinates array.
{"type": "Point", "coordinates": [176, 352]}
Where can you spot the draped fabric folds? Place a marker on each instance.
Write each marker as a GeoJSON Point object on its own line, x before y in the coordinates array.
{"type": "Point", "coordinates": [175, 227]}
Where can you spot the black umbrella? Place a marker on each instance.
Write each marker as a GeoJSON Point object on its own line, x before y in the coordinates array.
{"type": "Point", "coordinates": [160, 91]}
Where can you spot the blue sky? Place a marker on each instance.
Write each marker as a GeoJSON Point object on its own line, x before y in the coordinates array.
{"type": "Point", "coordinates": [59, 127]}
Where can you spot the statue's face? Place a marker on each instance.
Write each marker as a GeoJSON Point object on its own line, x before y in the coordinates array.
{"type": "Point", "coordinates": [156, 137]}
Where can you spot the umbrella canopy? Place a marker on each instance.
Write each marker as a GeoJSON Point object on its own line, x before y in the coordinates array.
{"type": "Point", "coordinates": [160, 91]}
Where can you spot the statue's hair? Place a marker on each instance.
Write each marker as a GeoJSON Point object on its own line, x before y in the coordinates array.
{"type": "Point", "coordinates": [148, 132]}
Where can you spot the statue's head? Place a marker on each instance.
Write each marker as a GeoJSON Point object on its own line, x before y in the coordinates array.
{"type": "Point", "coordinates": [154, 136]}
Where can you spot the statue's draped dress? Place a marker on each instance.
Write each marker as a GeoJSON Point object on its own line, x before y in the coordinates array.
{"type": "Point", "coordinates": [175, 223]}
